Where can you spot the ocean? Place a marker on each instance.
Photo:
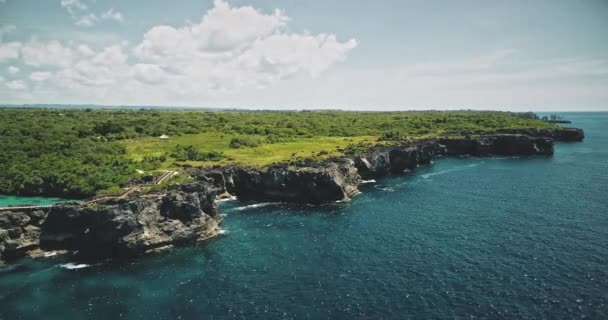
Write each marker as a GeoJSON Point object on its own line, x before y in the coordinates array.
{"type": "Point", "coordinates": [474, 238]}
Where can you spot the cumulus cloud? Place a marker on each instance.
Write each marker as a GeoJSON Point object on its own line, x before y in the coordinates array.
{"type": "Point", "coordinates": [85, 50]}
{"type": "Point", "coordinates": [12, 70]}
{"type": "Point", "coordinates": [149, 73]}
{"type": "Point", "coordinates": [230, 49]}
{"type": "Point", "coordinates": [112, 15]}
{"type": "Point", "coordinates": [53, 53]}
{"type": "Point", "coordinates": [16, 85]}
{"type": "Point", "coordinates": [40, 75]}
{"type": "Point", "coordinates": [235, 47]}
{"type": "Point", "coordinates": [9, 51]}
{"type": "Point", "coordinates": [87, 20]}
{"type": "Point", "coordinates": [73, 6]}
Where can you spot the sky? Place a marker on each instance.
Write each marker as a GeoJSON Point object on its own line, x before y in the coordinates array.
{"type": "Point", "coordinates": [307, 54]}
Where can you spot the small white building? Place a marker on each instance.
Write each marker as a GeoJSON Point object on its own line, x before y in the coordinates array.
{"type": "Point", "coordinates": [164, 137]}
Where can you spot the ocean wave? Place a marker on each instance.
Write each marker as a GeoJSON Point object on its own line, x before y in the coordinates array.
{"type": "Point", "coordinates": [231, 198]}
{"type": "Point", "coordinates": [255, 205]}
{"type": "Point", "coordinates": [74, 266]}
{"type": "Point", "coordinates": [368, 181]}
{"type": "Point", "coordinates": [222, 231]}
{"type": "Point", "coordinates": [428, 175]}
{"type": "Point", "coordinates": [385, 188]}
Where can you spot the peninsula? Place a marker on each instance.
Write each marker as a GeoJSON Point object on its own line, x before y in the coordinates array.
{"type": "Point", "coordinates": [151, 179]}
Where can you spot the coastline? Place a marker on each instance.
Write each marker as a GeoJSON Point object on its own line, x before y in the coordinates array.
{"type": "Point", "coordinates": [188, 213]}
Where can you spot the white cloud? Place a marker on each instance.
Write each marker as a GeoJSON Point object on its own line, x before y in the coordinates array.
{"type": "Point", "coordinates": [105, 68]}
{"type": "Point", "coordinates": [16, 85]}
{"type": "Point", "coordinates": [12, 70]}
{"type": "Point", "coordinates": [235, 47]}
{"type": "Point", "coordinates": [81, 15]}
{"type": "Point", "coordinates": [112, 55]}
{"type": "Point", "coordinates": [9, 51]}
{"type": "Point", "coordinates": [73, 6]}
{"type": "Point", "coordinates": [85, 50]}
{"type": "Point", "coordinates": [87, 20]}
{"type": "Point", "coordinates": [40, 75]}
{"type": "Point", "coordinates": [149, 73]}
{"type": "Point", "coordinates": [112, 15]}
{"type": "Point", "coordinates": [36, 53]}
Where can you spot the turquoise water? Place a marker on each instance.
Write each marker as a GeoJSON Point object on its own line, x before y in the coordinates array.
{"type": "Point", "coordinates": [503, 238]}
{"type": "Point", "coordinates": [6, 201]}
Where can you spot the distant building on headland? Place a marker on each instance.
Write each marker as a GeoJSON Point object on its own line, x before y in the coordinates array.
{"type": "Point", "coordinates": [164, 137]}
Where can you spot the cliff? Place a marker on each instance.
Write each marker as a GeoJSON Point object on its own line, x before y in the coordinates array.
{"type": "Point", "coordinates": [123, 229]}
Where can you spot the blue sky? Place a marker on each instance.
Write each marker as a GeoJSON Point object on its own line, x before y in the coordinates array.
{"type": "Point", "coordinates": [364, 55]}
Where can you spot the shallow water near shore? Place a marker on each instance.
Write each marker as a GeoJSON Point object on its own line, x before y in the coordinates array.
{"type": "Point", "coordinates": [497, 238]}
{"type": "Point", "coordinates": [12, 201]}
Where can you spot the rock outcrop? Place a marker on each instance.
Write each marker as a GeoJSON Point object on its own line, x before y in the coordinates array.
{"type": "Point", "coordinates": [561, 134]}
{"type": "Point", "coordinates": [128, 228]}
{"type": "Point", "coordinates": [499, 145]}
{"type": "Point", "coordinates": [322, 182]}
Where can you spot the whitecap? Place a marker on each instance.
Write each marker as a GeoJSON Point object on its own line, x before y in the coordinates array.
{"type": "Point", "coordinates": [428, 175]}
{"type": "Point", "coordinates": [74, 266]}
{"type": "Point", "coordinates": [368, 181]}
{"type": "Point", "coordinates": [222, 231]}
{"type": "Point", "coordinates": [389, 189]}
{"type": "Point", "coordinates": [255, 205]}
{"type": "Point", "coordinates": [231, 198]}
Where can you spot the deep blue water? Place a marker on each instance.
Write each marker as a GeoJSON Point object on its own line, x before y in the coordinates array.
{"type": "Point", "coordinates": [500, 238]}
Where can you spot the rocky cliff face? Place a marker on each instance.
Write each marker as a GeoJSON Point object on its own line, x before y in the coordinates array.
{"type": "Point", "coordinates": [500, 145]}
{"type": "Point", "coordinates": [123, 229]}
{"type": "Point", "coordinates": [321, 182]}
{"type": "Point", "coordinates": [561, 134]}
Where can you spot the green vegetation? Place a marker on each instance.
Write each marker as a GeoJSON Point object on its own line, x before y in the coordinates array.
{"type": "Point", "coordinates": [185, 153]}
{"type": "Point", "coordinates": [77, 153]}
{"type": "Point", "coordinates": [245, 142]}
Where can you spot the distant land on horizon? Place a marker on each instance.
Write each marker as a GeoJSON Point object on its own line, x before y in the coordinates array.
{"type": "Point", "coordinates": [267, 109]}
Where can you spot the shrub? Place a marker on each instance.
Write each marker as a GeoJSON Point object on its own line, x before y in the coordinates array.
{"type": "Point", "coordinates": [185, 153]}
{"type": "Point", "coordinates": [245, 142]}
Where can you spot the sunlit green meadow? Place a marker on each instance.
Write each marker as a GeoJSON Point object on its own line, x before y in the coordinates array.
{"type": "Point", "coordinates": [318, 148]}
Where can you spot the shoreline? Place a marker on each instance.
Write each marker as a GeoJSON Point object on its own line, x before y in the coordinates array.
{"type": "Point", "coordinates": [186, 214]}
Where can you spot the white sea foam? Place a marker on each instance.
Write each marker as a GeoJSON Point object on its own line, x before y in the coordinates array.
{"type": "Point", "coordinates": [428, 175]}
{"type": "Point", "coordinates": [255, 205]}
{"type": "Point", "coordinates": [368, 181]}
{"type": "Point", "coordinates": [231, 198]}
{"type": "Point", "coordinates": [222, 231]}
{"type": "Point", "coordinates": [385, 188]}
{"type": "Point", "coordinates": [74, 266]}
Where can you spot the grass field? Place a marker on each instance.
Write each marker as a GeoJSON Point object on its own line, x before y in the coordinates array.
{"type": "Point", "coordinates": [262, 155]}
